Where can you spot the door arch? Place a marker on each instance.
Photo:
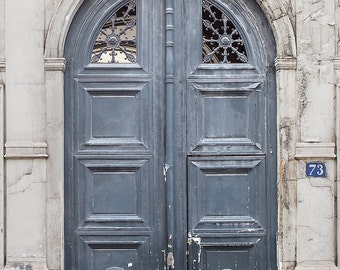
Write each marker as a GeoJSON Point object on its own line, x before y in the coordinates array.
{"type": "Point", "coordinates": [224, 202]}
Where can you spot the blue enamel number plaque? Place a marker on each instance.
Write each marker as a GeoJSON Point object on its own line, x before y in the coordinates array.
{"type": "Point", "coordinates": [316, 169]}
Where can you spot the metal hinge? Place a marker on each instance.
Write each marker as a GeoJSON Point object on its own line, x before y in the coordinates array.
{"type": "Point", "coordinates": [170, 261]}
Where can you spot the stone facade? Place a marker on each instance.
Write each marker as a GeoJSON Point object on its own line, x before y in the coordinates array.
{"type": "Point", "coordinates": [32, 39]}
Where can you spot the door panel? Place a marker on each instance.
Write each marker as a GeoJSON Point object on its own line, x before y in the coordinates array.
{"type": "Point", "coordinates": [226, 211]}
{"type": "Point", "coordinates": [222, 193]}
{"type": "Point", "coordinates": [227, 144]}
{"type": "Point", "coordinates": [227, 116]}
{"type": "Point", "coordinates": [116, 192]}
{"type": "Point", "coordinates": [114, 151]}
{"type": "Point", "coordinates": [215, 62]}
{"type": "Point", "coordinates": [117, 116]}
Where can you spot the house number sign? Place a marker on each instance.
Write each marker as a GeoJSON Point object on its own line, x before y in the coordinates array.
{"type": "Point", "coordinates": [316, 169]}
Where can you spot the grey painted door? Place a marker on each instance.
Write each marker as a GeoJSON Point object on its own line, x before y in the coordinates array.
{"type": "Point", "coordinates": [170, 136]}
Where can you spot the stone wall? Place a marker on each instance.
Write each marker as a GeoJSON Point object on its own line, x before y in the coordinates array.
{"type": "Point", "coordinates": [31, 130]}
{"type": "Point", "coordinates": [315, 34]}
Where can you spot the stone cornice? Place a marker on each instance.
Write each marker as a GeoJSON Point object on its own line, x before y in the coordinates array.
{"type": "Point", "coordinates": [17, 150]}
{"type": "Point", "coordinates": [2, 65]}
{"type": "Point", "coordinates": [55, 64]}
{"type": "Point", "coordinates": [312, 150]}
{"type": "Point", "coordinates": [285, 63]}
{"type": "Point", "coordinates": [337, 63]}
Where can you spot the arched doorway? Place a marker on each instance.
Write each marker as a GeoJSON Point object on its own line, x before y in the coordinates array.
{"type": "Point", "coordinates": [170, 136]}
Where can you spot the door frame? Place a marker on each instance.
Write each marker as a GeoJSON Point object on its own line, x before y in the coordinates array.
{"type": "Point", "coordinates": [54, 71]}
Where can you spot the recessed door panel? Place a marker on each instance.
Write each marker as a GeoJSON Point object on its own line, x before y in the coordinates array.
{"type": "Point", "coordinates": [117, 116]}
{"type": "Point", "coordinates": [114, 253]}
{"type": "Point", "coordinates": [224, 194]}
{"type": "Point", "coordinates": [227, 117]}
{"type": "Point", "coordinates": [117, 192]}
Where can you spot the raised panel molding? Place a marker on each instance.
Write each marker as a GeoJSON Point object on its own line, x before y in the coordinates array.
{"type": "Point", "coordinates": [115, 251]}
{"type": "Point", "coordinates": [232, 182]}
{"type": "Point", "coordinates": [231, 127]}
{"type": "Point", "coordinates": [118, 192]}
{"type": "Point", "coordinates": [16, 150]}
{"type": "Point", "coordinates": [115, 118]}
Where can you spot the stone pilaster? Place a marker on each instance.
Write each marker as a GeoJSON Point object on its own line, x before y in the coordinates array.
{"type": "Point", "coordinates": [316, 247]}
{"type": "Point", "coordinates": [286, 100]}
{"type": "Point", "coordinates": [25, 148]}
{"type": "Point", "coordinates": [2, 132]}
{"type": "Point", "coordinates": [337, 93]}
{"type": "Point", "coordinates": [54, 82]}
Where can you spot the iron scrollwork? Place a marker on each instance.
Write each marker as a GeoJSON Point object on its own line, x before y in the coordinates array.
{"type": "Point", "coordinates": [222, 42]}
{"type": "Point", "coordinates": [116, 41]}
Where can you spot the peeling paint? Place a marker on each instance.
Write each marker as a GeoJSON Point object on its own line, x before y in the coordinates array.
{"type": "Point", "coordinates": [286, 132]}
{"type": "Point", "coordinates": [303, 100]}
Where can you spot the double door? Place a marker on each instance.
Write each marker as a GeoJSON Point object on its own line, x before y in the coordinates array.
{"type": "Point", "coordinates": [170, 130]}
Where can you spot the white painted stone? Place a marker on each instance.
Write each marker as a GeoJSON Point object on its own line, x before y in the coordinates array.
{"type": "Point", "coordinates": [286, 73]}
{"type": "Point", "coordinates": [316, 113]}
{"type": "Point", "coordinates": [315, 216]}
{"type": "Point", "coordinates": [337, 91]}
{"type": "Point", "coordinates": [55, 169]}
{"type": "Point", "coordinates": [2, 131]}
{"type": "Point", "coordinates": [27, 264]}
{"type": "Point", "coordinates": [25, 133]}
{"type": "Point", "coordinates": [17, 150]}
{"type": "Point", "coordinates": [2, 29]}
{"type": "Point", "coordinates": [317, 265]}
{"type": "Point", "coordinates": [314, 150]}
{"type": "Point", "coordinates": [315, 39]}
{"type": "Point", "coordinates": [25, 104]}
{"type": "Point", "coordinates": [58, 27]}
{"type": "Point", "coordinates": [26, 197]}
{"type": "Point", "coordinates": [24, 48]}
{"type": "Point", "coordinates": [287, 231]}
{"type": "Point", "coordinates": [2, 180]}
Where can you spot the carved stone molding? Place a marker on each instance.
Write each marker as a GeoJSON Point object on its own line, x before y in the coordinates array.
{"type": "Point", "coordinates": [55, 64]}
{"type": "Point", "coordinates": [286, 63]}
{"type": "Point", "coordinates": [337, 63]}
{"type": "Point", "coordinates": [26, 263]}
{"type": "Point", "coordinates": [2, 65]}
{"type": "Point", "coordinates": [17, 150]}
{"type": "Point", "coordinates": [308, 150]}
{"type": "Point", "coordinates": [316, 265]}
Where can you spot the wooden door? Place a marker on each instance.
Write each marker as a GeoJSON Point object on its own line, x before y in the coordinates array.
{"type": "Point", "coordinates": [170, 136]}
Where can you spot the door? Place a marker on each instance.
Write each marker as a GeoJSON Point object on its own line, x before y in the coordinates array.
{"type": "Point", "coordinates": [170, 136]}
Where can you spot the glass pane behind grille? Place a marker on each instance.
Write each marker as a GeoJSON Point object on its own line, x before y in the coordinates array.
{"type": "Point", "coordinates": [222, 42]}
{"type": "Point", "coordinates": [116, 41]}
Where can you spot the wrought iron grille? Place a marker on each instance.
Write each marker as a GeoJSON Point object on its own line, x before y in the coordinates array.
{"type": "Point", "coordinates": [222, 42]}
{"type": "Point", "coordinates": [116, 41]}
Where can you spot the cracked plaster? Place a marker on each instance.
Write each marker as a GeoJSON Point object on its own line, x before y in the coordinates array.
{"type": "Point", "coordinates": [26, 189]}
